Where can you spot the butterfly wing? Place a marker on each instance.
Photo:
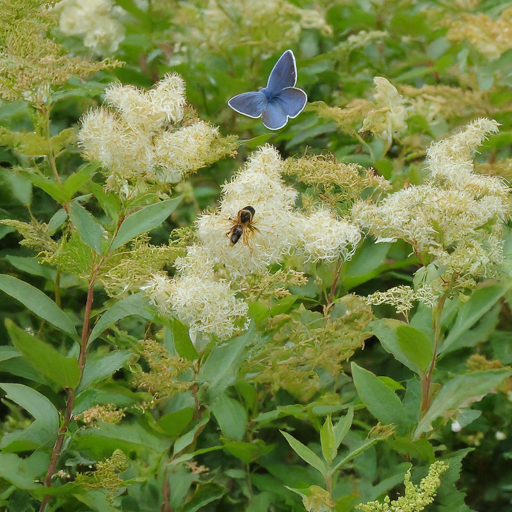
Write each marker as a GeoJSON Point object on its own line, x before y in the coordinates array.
{"type": "Point", "coordinates": [274, 117]}
{"type": "Point", "coordinates": [284, 74]}
{"type": "Point", "coordinates": [292, 101]}
{"type": "Point", "coordinates": [251, 104]}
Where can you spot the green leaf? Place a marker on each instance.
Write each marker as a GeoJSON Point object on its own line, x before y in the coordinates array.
{"type": "Point", "coordinates": [77, 179]}
{"type": "Point", "coordinates": [386, 330]}
{"type": "Point", "coordinates": [456, 392]}
{"type": "Point", "coordinates": [173, 423]}
{"type": "Point", "coordinates": [42, 431]}
{"type": "Point", "coordinates": [305, 453]}
{"type": "Point", "coordinates": [449, 498]}
{"type": "Point", "coordinates": [32, 266]}
{"type": "Point", "coordinates": [59, 217]}
{"type": "Point", "coordinates": [343, 426]}
{"type": "Point", "coordinates": [109, 201]}
{"type": "Point", "coordinates": [420, 449]}
{"type": "Point", "coordinates": [283, 305]}
{"type": "Point", "coordinates": [415, 346]}
{"type": "Point", "coordinates": [7, 353]}
{"type": "Point", "coordinates": [247, 452]}
{"type": "Point", "coordinates": [182, 342]}
{"type": "Point", "coordinates": [471, 311]}
{"type": "Point", "coordinates": [328, 441]}
{"type": "Point", "coordinates": [368, 443]}
{"type": "Point", "coordinates": [145, 220]}
{"type": "Point", "coordinates": [39, 303]}
{"type": "Point", "coordinates": [51, 187]}
{"type": "Point", "coordinates": [205, 494]}
{"type": "Point", "coordinates": [23, 472]}
{"type": "Point", "coordinates": [221, 367]}
{"type": "Point", "coordinates": [106, 438]}
{"type": "Point", "coordinates": [379, 399]}
{"type": "Point", "coordinates": [136, 304]}
{"type": "Point", "coordinates": [87, 226]}
{"type": "Point", "coordinates": [57, 368]}
{"type": "Point", "coordinates": [231, 417]}
{"type": "Point", "coordinates": [96, 500]}
{"type": "Point", "coordinates": [190, 436]}
{"type": "Point", "coordinates": [101, 366]}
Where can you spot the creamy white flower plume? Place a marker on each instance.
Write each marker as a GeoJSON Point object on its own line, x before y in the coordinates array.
{"type": "Point", "coordinates": [95, 20]}
{"type": "Point", "coordinates": [143, 136]}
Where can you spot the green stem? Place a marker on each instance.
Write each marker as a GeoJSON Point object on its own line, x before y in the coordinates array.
{"type": "Point", "coordinates": [426, 380]}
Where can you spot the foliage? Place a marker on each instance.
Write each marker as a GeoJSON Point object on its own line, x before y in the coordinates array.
{"type": "Point", "coordinates": [350, 352]}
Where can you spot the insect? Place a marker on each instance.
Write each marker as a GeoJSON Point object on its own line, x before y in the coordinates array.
{"type": "Point", "coordinates": [243, 226]}
{"type": "Point", "coordinates": [276, 102]}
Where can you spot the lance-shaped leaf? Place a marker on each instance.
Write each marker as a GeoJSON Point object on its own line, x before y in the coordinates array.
{"type": "Point", "coordinates": [77, 179]}
{"type": "Point", "coordinates": [305, 453]}
{"type": "Point", "coordinates": [144, 220]}
{"type": "Point", "coordinates": [415, 346]}
{"type": "Point", "coordinates": [221, 367]}
{"type": "Point", "coordinates": [88, 228]}
{"type": "Point", "coordinates": [136, 304]}
{"type": "Point", "coordinates": [39, 303]}
{"type": "Point", "coordinates": [54, 366]}
{"type": "Point", "coordinates": [42, 431]}
{"type": "Point", "coordinates": [328, 441]}
{"type": "Point", "coordinates": [471, 311]}
{"type": "Point", "coordinates": [379, 399]}
{"type": "Point", "coordinates": [456, 393]}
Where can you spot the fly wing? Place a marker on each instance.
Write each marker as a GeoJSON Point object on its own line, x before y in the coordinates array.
{"type": "Point", "coordinates": [284, 74]}
{"type": "Point", "coordinates": [250, 104]}
{"type": "Point", "coordinates": [274, 117]}
{"type": "Point", "coordinates": [292, 100]}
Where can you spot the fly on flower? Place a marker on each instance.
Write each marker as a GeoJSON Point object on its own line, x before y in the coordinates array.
{"type": "Point", "coordinates": [276, 102]}
{"type": "Point", "coordinates": [243, 226]}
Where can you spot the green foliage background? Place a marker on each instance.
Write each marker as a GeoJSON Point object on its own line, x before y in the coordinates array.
{"type": "Point", "coordinates": [205, 435]}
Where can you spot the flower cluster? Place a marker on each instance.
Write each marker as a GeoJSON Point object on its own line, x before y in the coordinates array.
{"type": "Point", "coordinates": [150, 136]}
{"type": "Point", "coordinates": [385, 116]}
{"type": "Point", "coordinates": [490, 37]}
{"type": "Point", "coordinates": [390, 113]}
{"type": "Point", "coordinates": [441, 101]}
{"type": "Point", "coordinates": [30, 62]}
{"type": "Point", "coordinates": [95, 21]}
{"type": "Point", "coordinates": [416, 497]}
{"type": "Point", "coordinates": [203, 294]}
{"type": "Point", "coordinates": [268, 24]}
{"type": "Point", "coordinates": [454, 221]}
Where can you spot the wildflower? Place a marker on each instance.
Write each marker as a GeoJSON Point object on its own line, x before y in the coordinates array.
{"type": "Point", "coordinates": [30, 63]}
{"type": "Point", "coordinates": [416, 497]}
{"type": "Point", "coordinates": [203, 295]}
{"type": "Point", "coordinates": [454, 220]}
{"type": "Point", "coordinates": [150, 136]}
{"type": "Point", "coordinates": [95, 20]}
{"type": "Point", "coordinates": [490, 37]}
{"type": "Point", "coordinates": [107, 413]}
{"type": "Point", "coordinates": [326, 238]}
{"type": "Point", "coordinates": [269, 25]}
{"type": "Point", "coordinates": [390, 113]}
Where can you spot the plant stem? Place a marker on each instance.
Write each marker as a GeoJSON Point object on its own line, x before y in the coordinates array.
{"type": "Point", "coordinates": [50, 156]}
{"type": "Point", "coordinates": [426, 380]}
{"type": "Point", "coordinates": [71, 394]}
{"type": "Point", "coordinates": [334, 284]}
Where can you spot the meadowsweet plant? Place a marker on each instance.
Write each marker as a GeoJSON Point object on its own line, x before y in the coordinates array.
{"type": "Point", "coordinates": [200, 314]}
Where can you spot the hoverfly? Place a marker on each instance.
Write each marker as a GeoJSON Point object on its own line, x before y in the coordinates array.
{"type": "Point", "coordinates": [243, 226]}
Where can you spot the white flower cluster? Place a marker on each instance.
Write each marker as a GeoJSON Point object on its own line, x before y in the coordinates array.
{"type": "Point", "coordinates": [150, 135]}
{"type": "Point", "coordinates": [455, 219]}
{"type": "Point", "coordinates": [390, 113]}
{"type": "Point", "coordinates": [95, 20]}
{"type": "Point", "coordinates": [202, 295]}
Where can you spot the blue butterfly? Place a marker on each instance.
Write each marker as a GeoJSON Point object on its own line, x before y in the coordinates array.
{"type": "Point", "coordinates": [276, 102]}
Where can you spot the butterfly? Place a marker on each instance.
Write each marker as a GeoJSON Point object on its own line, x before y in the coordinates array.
{"type": "Point", "coordinates": [276, 102]}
